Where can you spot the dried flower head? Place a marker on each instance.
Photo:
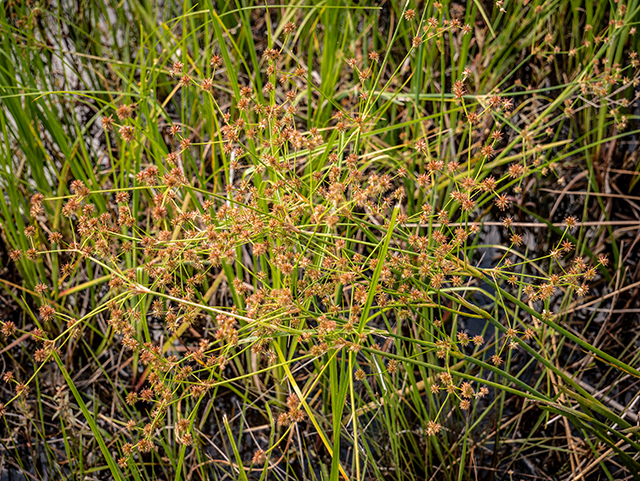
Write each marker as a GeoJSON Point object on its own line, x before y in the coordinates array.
{"type": "Point", "coordinates": [127, 133]}
{"type": "Point", "coordinates": [107, 123]}
{"type": "Point", "coordinates": [433, 428]}
{"type": "Point", "coordinates": [124, 111]}
{"type": "Point", "coordinates": [259, 457]}
{"type": "Point", "coordinates": [176, 69]}
{"type": "Point", "coordinates": [216, 61]}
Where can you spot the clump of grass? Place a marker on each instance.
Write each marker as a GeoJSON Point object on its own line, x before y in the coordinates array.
{"type": "Point", "coordinates": [304, 259]}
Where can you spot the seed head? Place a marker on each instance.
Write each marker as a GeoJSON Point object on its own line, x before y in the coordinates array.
{"type": "Point", "coordinates": [107, 123]}
{"type": "Point", "coordinates": [567, 246]}
{"type": "Point", "coordinates": [392, 366]}
{"type": "Point", "coordinates": [177, 68]}
{"type": "Point", "coordinates": [293, 401]}
{"type": "Point", "coordinates": [289, 28]}
{"type": "Point", "coordinates": [127, 133]}
{"type": "Point", "coordinates": [185, 80]}
{"type": "Point", "coordinates": [433, 428]}
{"type": "Point", "coordinates": [207, 84]}
{"type": "Point", "coordinates": [47, 312]}
{"type": "Point", "coordinates": [259, 457]}
{"type": "Point", "coordinates": [502, 202]}
{"type": "Point", "coordinates": [271, 54]}
{"type": "Point", "coordinates": [517, 240]}
{"type": "Point", "coordinates": [458, 89]}
{"type": "Point", "coordinates": [216, 61]}
{"type": "Point", "coordinates": [124, 112]}
{"type": "Point", "coordinates": [482, 393]}
{"type": "Point", "coordinates": [466, 390]}
{"type": "Point", "coordinates": [487, 150]}
{"type": "Point", "coordinates": [570, 221]}
{"type": "Point", "coordinates": [78, 187]}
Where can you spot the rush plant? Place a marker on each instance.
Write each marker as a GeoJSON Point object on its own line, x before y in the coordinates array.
{"type": "Point", "coordinates": [306, 241]}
